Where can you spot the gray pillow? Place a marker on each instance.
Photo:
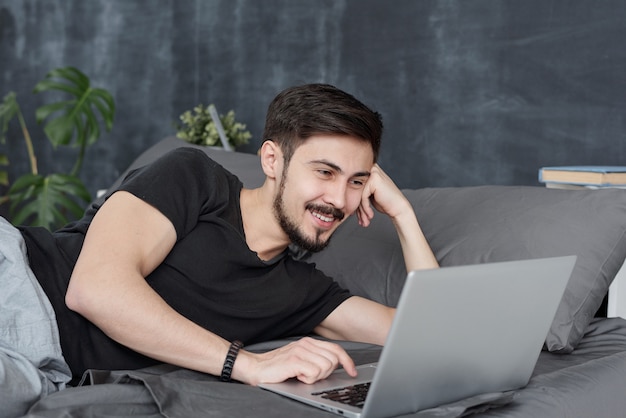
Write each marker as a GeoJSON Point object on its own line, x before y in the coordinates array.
{"type": "Point", "coordinates": [470, 225]}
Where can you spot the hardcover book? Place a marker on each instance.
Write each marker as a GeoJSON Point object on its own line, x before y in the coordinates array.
{"type": "Point", "coordinates": [590, 175]}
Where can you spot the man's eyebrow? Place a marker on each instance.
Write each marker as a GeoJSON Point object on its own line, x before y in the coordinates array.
{"type": "Point", "coordinates": [339, 169]}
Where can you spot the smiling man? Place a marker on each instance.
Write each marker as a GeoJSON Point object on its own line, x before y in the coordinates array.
{"type": "Point", "coordinates": [331, 186]}
{"type": "Point", "coordinates": [183, 265]}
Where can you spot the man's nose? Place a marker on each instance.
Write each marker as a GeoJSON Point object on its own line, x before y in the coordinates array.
{"type": "Point", "coordinates": [336, 195]}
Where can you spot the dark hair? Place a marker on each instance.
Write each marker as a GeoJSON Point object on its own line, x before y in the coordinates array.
{"type": "Point", "coordinates": [300, 112]}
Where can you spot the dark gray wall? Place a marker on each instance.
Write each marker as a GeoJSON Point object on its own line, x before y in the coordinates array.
{"type": "Point", "coordinates": [472, 92]}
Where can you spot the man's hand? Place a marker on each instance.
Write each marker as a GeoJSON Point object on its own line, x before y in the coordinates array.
{"type": "Point", "coordinates": [307, 359]}
{"type": "Point", "coordinates": [383, 194]}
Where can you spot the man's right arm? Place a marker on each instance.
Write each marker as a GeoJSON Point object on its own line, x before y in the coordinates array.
{"type": "Point", "coordinates": [126, 241]}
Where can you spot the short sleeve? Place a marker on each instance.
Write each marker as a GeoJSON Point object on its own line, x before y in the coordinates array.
{"type": "Point", "coordinates": [185, 185]}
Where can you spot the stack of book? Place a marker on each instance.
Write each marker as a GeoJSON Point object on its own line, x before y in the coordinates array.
{"type": "Point", "coordinates": [585, 176]}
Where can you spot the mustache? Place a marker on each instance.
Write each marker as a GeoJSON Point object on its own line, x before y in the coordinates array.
{"type": "Point", "coordinates": [326, 210]}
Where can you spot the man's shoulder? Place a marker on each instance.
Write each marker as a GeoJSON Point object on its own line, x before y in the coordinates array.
{"type": "Point", "coordinates": [190, 160]}
{"type": "Point", "coordinates": [187, 154]}
{"type": "Point", "coordinates": [195, 158]}
{"type": "Point", "coordinates": [182, 172]}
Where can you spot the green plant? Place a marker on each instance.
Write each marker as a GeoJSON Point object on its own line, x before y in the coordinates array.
{"type": "Point", "coordinates": [198, 128]}
{"type": "Point", "coordinates": [4, 175]}
{"type": "Point", "coordinates": [49, 200]}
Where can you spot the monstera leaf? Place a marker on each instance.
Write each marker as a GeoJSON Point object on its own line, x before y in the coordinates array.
{"type": "Point", "coordinates": [46, 201]}
{"type": "Point", "coordinates": [76, 122]}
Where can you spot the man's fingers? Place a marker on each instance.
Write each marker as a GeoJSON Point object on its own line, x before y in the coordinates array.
{"type": "Point", "coordinates": [364, 212]}
{"type": "Point", "coordinates": [311, 360]}
{"type": "Point", "coordinates": [325, 356]}
{"type": "Point", "coordinates": [336, 354]}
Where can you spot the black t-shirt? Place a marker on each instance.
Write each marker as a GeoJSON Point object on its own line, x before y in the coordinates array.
{"type": "Point", "coordinates": [210, 276]}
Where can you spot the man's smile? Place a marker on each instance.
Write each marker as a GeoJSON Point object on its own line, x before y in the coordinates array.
{"type": "Point", "coordinates": [326, 214]}
{"type": "Point", "coordinates": [322, 217]}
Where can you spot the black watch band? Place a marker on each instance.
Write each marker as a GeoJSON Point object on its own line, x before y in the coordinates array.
{"type": "Point", "coordinates": [229, 362]}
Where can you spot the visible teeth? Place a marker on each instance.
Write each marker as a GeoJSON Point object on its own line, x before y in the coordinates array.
{"type": "Point", "coordinates": [322, 217]}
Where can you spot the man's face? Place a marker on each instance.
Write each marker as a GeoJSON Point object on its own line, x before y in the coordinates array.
{"type": "Point", "coordinates": [321, 186]}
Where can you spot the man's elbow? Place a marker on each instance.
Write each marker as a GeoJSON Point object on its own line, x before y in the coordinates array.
{"type": "Point", "coordinates": [78, 297]}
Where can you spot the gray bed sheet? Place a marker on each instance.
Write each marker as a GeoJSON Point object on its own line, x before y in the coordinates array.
{"type": "Point", "coordinates": [591, 381]}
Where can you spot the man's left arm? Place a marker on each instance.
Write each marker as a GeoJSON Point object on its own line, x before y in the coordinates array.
{"type": "Point", "coordinates": [382, 193]}
{"type": "Point", "coordinates": [360, 319]}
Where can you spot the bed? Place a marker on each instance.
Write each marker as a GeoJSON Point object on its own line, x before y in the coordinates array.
{"type": "Point", "coordinates": [581, 371]}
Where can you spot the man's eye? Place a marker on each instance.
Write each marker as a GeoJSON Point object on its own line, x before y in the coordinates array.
{"type": "Point", "coordinates": [324, 173]}
{"type": "Point", "coordinates": [357, 183]}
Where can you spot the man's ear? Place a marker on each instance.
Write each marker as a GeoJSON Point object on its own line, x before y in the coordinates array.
{"type": "Point", "coordinates": [271, 159]}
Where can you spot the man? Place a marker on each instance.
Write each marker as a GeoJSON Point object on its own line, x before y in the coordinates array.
{"type": "Point", "coordinates": [182, 263]}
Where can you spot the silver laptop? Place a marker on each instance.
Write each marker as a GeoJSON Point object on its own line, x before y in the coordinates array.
{"type": "Point", "coordinates": [458, 332]}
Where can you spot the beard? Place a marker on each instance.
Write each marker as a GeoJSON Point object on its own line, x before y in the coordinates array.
{"type": "Point", "coordinates": [292, 229]}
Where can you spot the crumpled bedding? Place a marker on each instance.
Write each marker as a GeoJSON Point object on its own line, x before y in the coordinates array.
{"type": "Point", "coordinates": [588, 382]}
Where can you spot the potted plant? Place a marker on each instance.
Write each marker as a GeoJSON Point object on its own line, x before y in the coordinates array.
{"type": "Point", "coordinates": [50, 200]}
{"type": "Point", "coordinates": [203, 126]}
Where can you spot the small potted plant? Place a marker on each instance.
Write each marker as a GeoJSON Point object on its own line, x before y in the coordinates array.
{"type": "Point", "coordinates": [203, 126]}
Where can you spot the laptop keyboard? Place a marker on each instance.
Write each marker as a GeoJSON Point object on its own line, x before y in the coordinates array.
{"type": "Point", "coordinates": [351, 395]}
